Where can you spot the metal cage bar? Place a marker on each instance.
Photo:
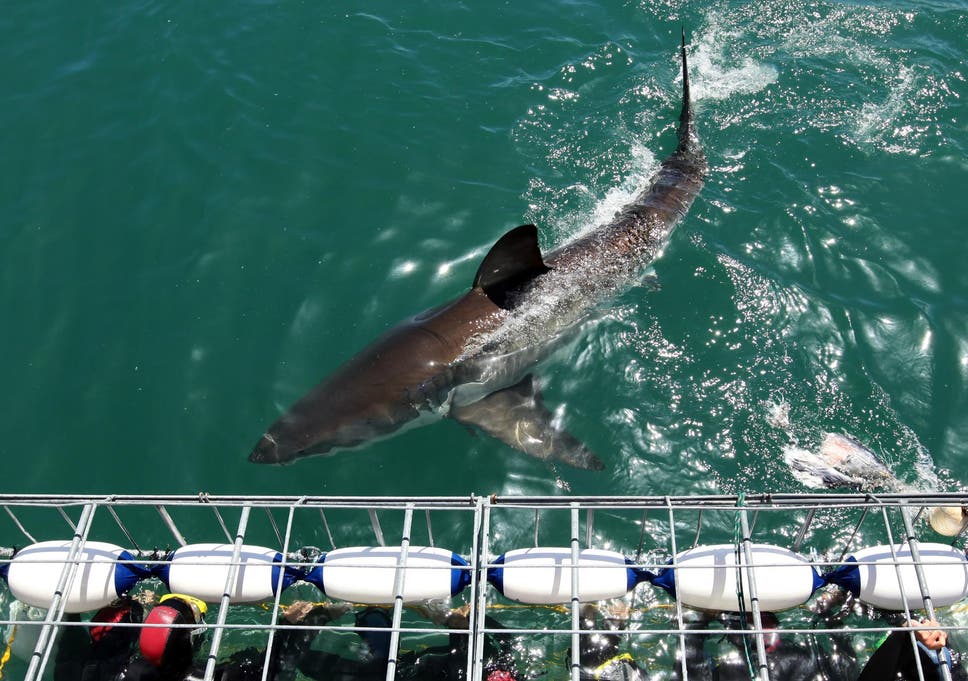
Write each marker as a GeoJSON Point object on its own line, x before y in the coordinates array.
{"type": "Point", "coordinates": [800, 515]}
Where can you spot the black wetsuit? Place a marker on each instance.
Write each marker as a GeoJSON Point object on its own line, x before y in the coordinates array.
{"type": "Point", "coordinates": [80, 658]}
{"type": "Point", "coordinates": [447, 662]}
{"type": "Point", "coordinates": [600, 656]}
{"type": "Point", "coordinates": [894, 659]}
{"type": "Point", "coordinates": [288, 648]}
{"type": "Point", "coordinates": [790, 661]}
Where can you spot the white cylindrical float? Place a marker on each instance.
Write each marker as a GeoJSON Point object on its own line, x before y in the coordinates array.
{"type": "Point", "coordinates": [367, 574]}
{"type": "Point", "coordinates": [711, 577]}
{"type": "Point", "coordinates": [102, 574]}
{"type": "Point", "coordinates": [544, 575]}
{"type": "Point", "coordinates": [872, 576]}
{"type": "Point", "coordinates": [202, 570]}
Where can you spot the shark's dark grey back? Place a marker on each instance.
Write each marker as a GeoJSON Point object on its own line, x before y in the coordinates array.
{"type": "Point", "coordinates": [471, 358]}
{"type": "Point", "coordinates": [639, 231]}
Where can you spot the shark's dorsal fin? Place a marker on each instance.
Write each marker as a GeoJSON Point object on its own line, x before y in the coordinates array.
{"type": "Point", "coordinates": [514, 260]}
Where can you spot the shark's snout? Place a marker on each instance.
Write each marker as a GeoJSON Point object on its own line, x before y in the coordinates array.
{"type": "Point", "coordinates": [267, 451]}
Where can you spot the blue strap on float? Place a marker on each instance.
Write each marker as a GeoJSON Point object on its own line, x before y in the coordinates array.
{"type": "Point", "coordinates": [665, 579]}
{"type": "Point", "coordinates": [315, 575]}
{"type": "Point", "coordinates": [819, 581]}
{"type": "Point", "coordinates": [495, 575]}
{"type": "Point", "coordinates": [4, 569]}
{"type": "Point", "coordinates": [291, 575]}
{"type": "Point", "coordinates": [637, 575]}
{"type": "Point", "coordinates": [163, 571]}
{"type": "Point", "coordinates": [460, 577]}
{"type": "Point", "coordinates": [127, 574]}
{"type": "Point", "coordinates": [845, 576]}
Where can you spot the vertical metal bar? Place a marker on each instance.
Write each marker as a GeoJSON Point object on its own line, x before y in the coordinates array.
{"type": "Point", "coordinates": [482, 521]}
{"type": "Point", "coordinates": [45, 642]}
{"type": "Point", "coordinates": [803, 529]}
{"type": "Point", "coordinates": [278, 590]}
{"type": "Point", "coordinates": [676, 574]}
{"type": "Point", "coordinates": [163, 512]}
{"type": "Point", "coordinates": [272, 521]}
{"type": "Point", "coordinates": [922, 582]}
{"type": "Point", "coordinates": [329, 533]}
{"type": "Point", "coordinates": [850, 540]}
{"type": "Point", "coordinates": [225, 529]}
{"type": "Point", "coordinates": [695, 540]}
{"type": "Point", "coordinates": [589, 526]}
{"type": "Point", "coordinates": [536, 522]}
{"type": "Point", "coordinates": [67, 518]}
{"type": "Point", "coordinates": [896, 561]}
{"type": "Point", "coordinates": [900, 586]}
{"type": "Point", "coordinates": [430, 528]}
{"type": "Point", "coordinates": [124, 529]}
{"type": "Point", "coordinates": [575, 617]}
{"type": "Point", "coordinates": [638, 552]}
{"type": "Point", "coordinates": [230, 577]}
{"type": "Point", "coordinates": [377, 530]}
{"type": "Point", "coordinates": [399, 583]}
{"type": "Point", "coordinates": [764, 672]}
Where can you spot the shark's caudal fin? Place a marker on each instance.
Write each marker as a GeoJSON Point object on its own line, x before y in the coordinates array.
{"type": "Point", "coordinates": [687, 134]}
{"type": "Point", "coordinates": [517, 417]}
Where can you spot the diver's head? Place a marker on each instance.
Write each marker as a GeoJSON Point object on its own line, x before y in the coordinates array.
{"type": "Point", "coordinates": [166, 644]}
{"type": "Point", "coordinates": [501, 674]}
{"type": "Point", "coordinates": [106, 637]}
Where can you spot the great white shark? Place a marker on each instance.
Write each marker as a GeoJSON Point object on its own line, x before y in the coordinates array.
{"type": "Point", "coordinates": [471, 359]}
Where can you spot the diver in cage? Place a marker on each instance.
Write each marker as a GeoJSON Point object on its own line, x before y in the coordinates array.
{"type": "Point", "coordinates": [446, 662]}
{"type": "Point", "coordinates": [804, 659]}
{"type": "Point", "coordinates": [599, 653]}
{"type": "Point", "coordinates": [103, 649]}
{"type": "Point", "coordinates": [895, 657]}
{"type": "Point", "coordinates": [165, 649]}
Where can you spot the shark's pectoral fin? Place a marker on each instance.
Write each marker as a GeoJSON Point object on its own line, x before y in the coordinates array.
{"type": "Point", "coordinates": [517, 417]}
{"type": "Point", "coordinates": [514, 260]}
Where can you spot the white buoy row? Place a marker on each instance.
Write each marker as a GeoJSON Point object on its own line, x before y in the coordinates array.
{"type": "Point", "coordinates": [716, 577]}
{"type": "Point", "coordinates": [367, 574]}
{"type": "Point", "coordinates": [105, 572]}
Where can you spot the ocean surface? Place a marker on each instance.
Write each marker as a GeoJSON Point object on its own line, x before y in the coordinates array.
{"type": "Point", "coordinates": [207, 207]}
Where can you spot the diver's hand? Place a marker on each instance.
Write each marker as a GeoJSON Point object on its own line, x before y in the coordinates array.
{"type": "Point", "coordinates": [934, 638]}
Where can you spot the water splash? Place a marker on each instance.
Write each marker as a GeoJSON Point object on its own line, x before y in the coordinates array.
{"type": "Point", "coordinates": [872, 93]}
{"type": "Point", "coordinates": [720, 70]}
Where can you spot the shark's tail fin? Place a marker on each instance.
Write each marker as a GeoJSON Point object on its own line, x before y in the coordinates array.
{"type": "Point", "coordinates": [687, 134]}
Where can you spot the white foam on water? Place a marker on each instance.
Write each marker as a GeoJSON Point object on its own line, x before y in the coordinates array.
{"type": "Point", "coordinates": [716, 73]}
{"type": "Point", "coordinates": [643, 166]}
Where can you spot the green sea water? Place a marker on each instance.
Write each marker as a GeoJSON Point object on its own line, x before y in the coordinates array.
{"type": "Point", "coordinates": [206, 207]}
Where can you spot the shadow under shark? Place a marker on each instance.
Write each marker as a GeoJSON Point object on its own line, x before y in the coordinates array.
{"type": "Point", "coordinates": [470, 359]}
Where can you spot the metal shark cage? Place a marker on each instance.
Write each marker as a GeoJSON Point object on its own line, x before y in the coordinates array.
{"type": "Point", "coordinates": [651, 532]}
